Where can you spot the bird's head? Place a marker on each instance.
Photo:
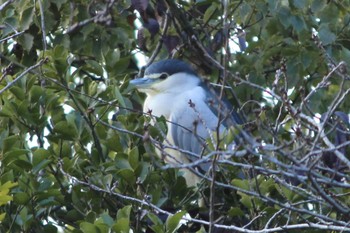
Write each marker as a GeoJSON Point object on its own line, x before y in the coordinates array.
{"type": "Point", "coordinates": [171, 75]}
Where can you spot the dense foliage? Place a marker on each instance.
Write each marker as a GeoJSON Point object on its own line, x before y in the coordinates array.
{"type": "Point", "coordinates": [77, 153]}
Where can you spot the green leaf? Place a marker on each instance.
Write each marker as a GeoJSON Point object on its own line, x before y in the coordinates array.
{"type": "Point", "coordinates": [4, 199]}
{"type": "Point", "coordinates": [91, 217]}
{"type": "Point", "coordinates": [14, 156]}
{"type": "Point", "coordinates": [113, 143]}
{"type": "Point", "coordinates": [317, 5]}
{"type": "Point", "coordinates": [107, 180]}
{"type": "Point", "coordinates": [119, 97]}
{"type": "Point", "coordinates": [94, 67]}
{"type": "Point", "coordinates": [123, 162]}
{"type": "Point", "coordinates": [123, 220]}
{"type": "Point", "coordinates": [27, 41]}
{"type": "Point", "coordinates": [11, 142]}
{"type": "Point", "coordinates": [143, 171]}
{"type": "Point", "coordinates": [173, 222]}
{"type": "Point", "coordinates": [107, 219]}
{"type": "Point", "coordinates": [326, 36]}
{"type": "Point", "coordinates": [235, 212]}
{"type": "Point", "coordinates": [59, 3]}
{"type": "Point", "coordinates": [4, 192]}
{"type": "Point", "coordinates": [246, 200]}
{"type": "Point", "coordinates": [300, 3]}
{"type": "Point", "coordinates": [39, 155]}
{"type": "Point", "coordinates": [21, 198]}
{"type": "Point", "coordinates": [26, 18]}
{"type": "Point", "coordinates": [345, 53]}
{"type": "Point", "coordinates": [68, 131]}
{"type": "Point", "coordinates": [245, 11]}
{"type": "Point", "coordinates": [284, 16]}
{"type": "Point", "coordinates": [2, 217]}
{"type": "Point", "coordinates": [87, 227]}
{"type": "Point", "coordinates": [41, 165]}
{"type": "Point", "coordinates": [125, 212]}
{"type": "Point", "coordinates": [18, 92]}
{"type": "Point", "coordinates": [298, 23]}
{"type": "Point", "coordinates": [111, 58]}
{"type": "Point", "coordinates": [210, 12]}
{"type": "Point", "coordinates": [154, 218]}
{"type": "Point", "coordinates": [35, 93]}
{"type": "Point", "coordinates": [49, 228]}
{"type": "Point", "coordinates": [134, 157]}
{"type": "Point", "coordinates": [7, 186]}
{"type": "Point", "coordinates": [122, 65]}
{"type": "Point", "coordinates": [243, 184]}
{"type": "Point", "coordinates": [122, 226]}
{"type": "Point", "coordinates": [128, 175]}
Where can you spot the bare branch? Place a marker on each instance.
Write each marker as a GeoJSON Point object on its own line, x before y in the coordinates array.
{"type": "Point", "coordinates": [155, 208]}
{"type": "Point", "coordinates": [12, 36]}
{"type": "Point", "coordinates": [29, 69]}
{"type": "Point", "coordinates": [5, 4]}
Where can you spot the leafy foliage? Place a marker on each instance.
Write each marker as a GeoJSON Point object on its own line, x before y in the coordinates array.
{"type": "Point", "coordinates": [78, 154]}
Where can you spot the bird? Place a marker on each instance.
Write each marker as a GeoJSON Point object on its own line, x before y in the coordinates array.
{"type": "Point", "coordinates": [193, 111]}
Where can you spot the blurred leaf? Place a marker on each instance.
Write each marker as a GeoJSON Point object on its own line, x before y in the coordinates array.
{"type": "Point", "coordinates": [246, 201]}
{"type": "Point", "coordinates": [87, 227]}
{"type": "Point", "coordinates": [128, 175]}
{"type": "Point", "coordinates": [94, 67]}
{"type": "Point", "coordinates": [14, 156]}
{"type": "Point", "coordinates": [298, 23]}
{"type": "Point", "coordinates": [21, 198]}
{"type": "Point", "coordinates": [124, 212]}
{"type": "Point", "coordinates": [27, 41]}
{"type": "Point", "coordinates": [235, 211]}
{"type": "Point", "coordinates": [68, 131]}
{"type": "Point", "coordinates": [122, 226]}
{"type": "Point", "coordinates": [4, 192]}
{"type": "Point", "coordinates": [326, 36]}
{"type": "Point", "coordinates": [134, 157]}
{"type": "Point", "coordinates": [300, 3]}
{"type": "Point", "coordinates": [119, 97]}
{"type": "Point", "coordinates": [18, 92]}
{"type": "Point", "coordinates": [210, 12]}
{"type": "Point", "coordinates": [317, 5]}
{"type": "Point", "coordinates": [243, 184]}
{"type": "Point", "coordinates": [157, 223]}
{"type": "Point", "coordinates": [123, 220]}
{"type": "Point", "coordinates": [2, 216]}
{"type": "Point", "coordinates": [26, 18]}
{"type": "Point", "coordinates": [173, 222]}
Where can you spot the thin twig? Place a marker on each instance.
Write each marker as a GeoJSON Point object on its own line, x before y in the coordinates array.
{"type": "Point", "coordinates": [185, 218]}
{"type": "Point", "coordinates": [10, 84]}
{"type": "Point", "coordinates": [12, 36]}
{"type": "Point", "coordinates": [43, 27]}
{"type": "Point", "coordinates": [5, 4]}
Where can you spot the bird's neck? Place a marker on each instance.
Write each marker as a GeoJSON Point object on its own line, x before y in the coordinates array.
{"type": "Point", "coordinates": [159, 104]}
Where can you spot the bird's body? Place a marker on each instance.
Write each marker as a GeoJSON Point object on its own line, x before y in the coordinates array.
{"type": "Point", "coordinates": [175, 91]}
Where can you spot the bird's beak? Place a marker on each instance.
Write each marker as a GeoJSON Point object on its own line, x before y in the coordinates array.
{"type": "Point", "coordinates": [142, 83]}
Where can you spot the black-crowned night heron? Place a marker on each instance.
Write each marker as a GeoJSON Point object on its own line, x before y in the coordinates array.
{"type": "Point", "coordinates": [194, 113]}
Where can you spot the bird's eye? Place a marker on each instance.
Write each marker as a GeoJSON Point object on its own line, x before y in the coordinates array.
{"type": "Point", "coordinates": [163, 76]}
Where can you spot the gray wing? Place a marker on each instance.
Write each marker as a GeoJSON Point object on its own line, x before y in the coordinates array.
{"type": "Point", "coordinates": [187, 138]}
{"type": "Point", "coordinates": [212, 98]}
{"type": "Point", "coordinates": [191, 125]}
